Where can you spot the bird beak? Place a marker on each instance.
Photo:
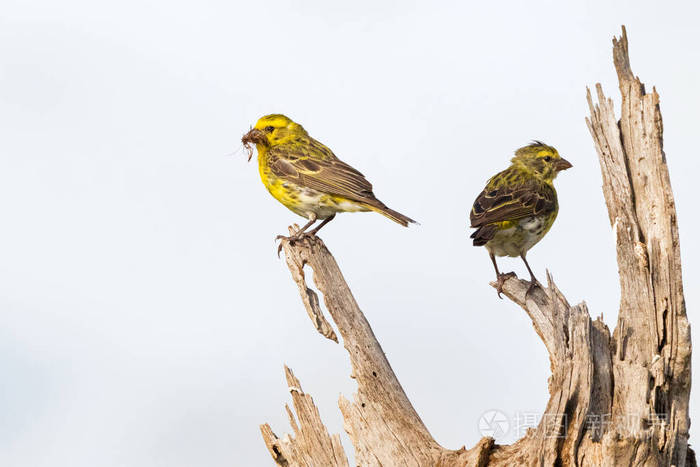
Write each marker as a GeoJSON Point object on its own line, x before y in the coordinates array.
{"type": "Point", "coordinates": [562, 164]}
{"type": "Point", "coordinates": [254, 136]}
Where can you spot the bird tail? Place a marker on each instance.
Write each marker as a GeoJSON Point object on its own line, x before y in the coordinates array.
{"type": "Point", "coordinates": [391, 214]}
{"type": "Point", "coordinates": [483, 234]}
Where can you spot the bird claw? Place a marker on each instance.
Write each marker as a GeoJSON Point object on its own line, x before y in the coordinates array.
{"type": "Point", "coordinates": [282, 239]}
{"type": "Point", "coordinates": [502, 278]}
{"type": "Point", "coordinates": [292, 239]}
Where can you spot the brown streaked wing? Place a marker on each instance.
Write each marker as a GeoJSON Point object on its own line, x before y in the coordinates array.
{"type": "Point", "coordinates": [331, 176]}
{"type": "Point", "coordinates": [512, 203]}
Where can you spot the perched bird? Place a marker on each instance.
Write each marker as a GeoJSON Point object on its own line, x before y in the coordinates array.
{"type": "Point", "coordinates": [518, 206]}
{"type": "Point", "coordinates": [307, 177]}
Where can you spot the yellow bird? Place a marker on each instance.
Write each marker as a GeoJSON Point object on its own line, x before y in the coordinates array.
{"type": "Point", "coordinates": [305, 175]}
{"type": "Point", "coordinates": [518, 206]}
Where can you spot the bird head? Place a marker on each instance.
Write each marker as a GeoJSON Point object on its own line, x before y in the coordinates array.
{"type": "Point", "coordinates": [272, 130]}
{"type": "Point", "coordinates": [540, 160]}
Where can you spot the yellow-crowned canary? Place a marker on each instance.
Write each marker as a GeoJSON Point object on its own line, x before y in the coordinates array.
{"type": "Point", "coordinates": [518, 206]}
{"type": "Point", "coordinates": [305, 175]}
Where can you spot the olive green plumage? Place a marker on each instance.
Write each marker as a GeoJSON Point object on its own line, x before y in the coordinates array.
{"type": "Point", "coordinates": [518, 205]}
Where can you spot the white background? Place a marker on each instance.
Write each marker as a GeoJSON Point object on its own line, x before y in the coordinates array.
{"type": "Point", "coordinates": [144, 314]}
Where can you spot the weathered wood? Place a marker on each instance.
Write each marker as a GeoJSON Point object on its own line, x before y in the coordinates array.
{"type": "Point", "coordinates": [580, 385]}
{"type": "Point", "coordinates": [380, 413]}
{"type": "Point", "coordinates": [651, 361]}
{"type": "Point", "coordinates": [311, 444]}
{"type": "Point", "coordinates": [619, 399]}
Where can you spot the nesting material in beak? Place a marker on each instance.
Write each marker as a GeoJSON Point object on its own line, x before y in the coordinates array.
{"type": "Point", "coordinates": [254, 136]}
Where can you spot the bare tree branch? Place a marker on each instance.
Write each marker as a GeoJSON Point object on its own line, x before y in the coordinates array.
{"type": "Point", "coordinates": [311, 445]}
{"type": "Point", "coordinates": [380, 413]}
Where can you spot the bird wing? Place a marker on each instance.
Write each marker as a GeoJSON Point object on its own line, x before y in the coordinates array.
{"type": "Point", "coordinates": [330, 175]}
{"type": "Point", "coordinates": [512, 202]}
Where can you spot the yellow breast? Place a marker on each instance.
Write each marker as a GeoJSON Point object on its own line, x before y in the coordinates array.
{"type": "Point", "coordinates": [284, 192]}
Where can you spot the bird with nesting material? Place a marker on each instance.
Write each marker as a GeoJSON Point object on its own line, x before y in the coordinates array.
{"type": "Point", "coordinates": [306, 177]}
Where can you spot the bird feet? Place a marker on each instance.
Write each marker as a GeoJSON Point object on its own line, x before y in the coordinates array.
{"type": "Point", "coordinates": [292, 239]}
{"type": "Point", "coordinates": [502, 278]}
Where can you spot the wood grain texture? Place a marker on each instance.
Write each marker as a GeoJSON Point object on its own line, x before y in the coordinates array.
{"type": "Point", "coordinates": [380, 414]}
{"type": "Point", "coordinates": [651, 359]}
{"type": "Point", "coordinates": [311, 444]}
{"type": "Point", "coordinates": [615, 399]}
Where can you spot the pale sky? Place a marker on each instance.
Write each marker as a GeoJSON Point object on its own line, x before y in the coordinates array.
{"type": "Point", "coordinates": [145, 317]}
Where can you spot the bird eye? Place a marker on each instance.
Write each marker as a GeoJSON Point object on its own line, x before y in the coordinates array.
{"type": "Point", "coordinates": [269, 129]}
{"type": "Point", "coordinates": [548, 158]}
